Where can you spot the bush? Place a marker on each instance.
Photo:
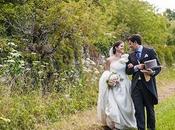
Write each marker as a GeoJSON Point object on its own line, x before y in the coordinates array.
{"type": "Point", "coordinates": [161, 55]}
{"type": "Point", "coordinates": [26, 111]}
{"type": "Point", "coordinates": [168, 56]}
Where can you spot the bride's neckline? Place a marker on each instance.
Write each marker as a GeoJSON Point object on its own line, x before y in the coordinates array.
{"type": "Point", "coordinates": [114, 59]}
{"type": "Point", "coordinates": [117, 57]}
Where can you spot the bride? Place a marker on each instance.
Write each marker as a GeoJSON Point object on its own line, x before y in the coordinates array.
{"type": "Point", "coordinates": [115, 107]}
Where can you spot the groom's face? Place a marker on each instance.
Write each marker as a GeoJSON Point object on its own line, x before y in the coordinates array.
{"type": "Point", "coordinates": [132, 45]}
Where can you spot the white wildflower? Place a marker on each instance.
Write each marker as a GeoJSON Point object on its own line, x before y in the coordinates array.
{"type": "Point", "coordinates": [92, 62]}
{"type": "Point", "coordinates": [14, 51]}
{"type": "Point", "coordinates": [63, 79]}
{"type": "Point", "coordinates": [67, 96]}
{"type": "Point", "coordinates": [33, 53]}
{"type": "Point", "coordinates": [10, 61]}
{"type": "Point", "coordinates": [28, 69]}
{"type": "Point", "coordinates": [15, 54]}
{"type": "Point", "coordinates": [12, 44]}
{"type": "Point", "coordinates": [40, 72]}
{"type": "Point", "coordinates": [5, 119]}
{"type": "Point", "coordinates": [83, 61]}
{"type": "Point", "coordinates": [96, 72]}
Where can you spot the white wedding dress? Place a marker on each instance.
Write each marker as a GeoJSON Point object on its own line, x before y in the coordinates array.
{"type": "Point", "coordinates": [115, 107]}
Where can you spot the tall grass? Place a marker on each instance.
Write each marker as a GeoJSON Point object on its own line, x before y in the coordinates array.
{"type": "Point", "coordinates": [29, 110]}
{"type": "Point", "coordinates": [166, 114]}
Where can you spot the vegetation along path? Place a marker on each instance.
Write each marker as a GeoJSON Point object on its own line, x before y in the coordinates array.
{"type": "Point", "coordinates": [87, 120]}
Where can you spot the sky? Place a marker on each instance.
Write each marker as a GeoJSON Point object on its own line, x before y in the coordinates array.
{"type": "Point", "coordinates": [162, 5]}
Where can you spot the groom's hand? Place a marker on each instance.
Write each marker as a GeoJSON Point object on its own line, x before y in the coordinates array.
{"type": "Point", "coordinates": [148, 72]}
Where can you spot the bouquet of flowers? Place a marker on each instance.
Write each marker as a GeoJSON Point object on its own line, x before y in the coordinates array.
{"type": "Point", "coordinates": [114, 80]}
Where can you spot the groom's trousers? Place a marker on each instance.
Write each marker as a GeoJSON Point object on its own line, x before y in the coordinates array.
{"type": "Point", "coordinates": [142, 99]}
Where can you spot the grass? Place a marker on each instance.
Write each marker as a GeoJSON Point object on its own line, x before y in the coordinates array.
{"type": "Point", "coordinates": [166, 114]}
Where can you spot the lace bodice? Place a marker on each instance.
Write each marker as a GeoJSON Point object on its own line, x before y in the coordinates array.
{"type": "Point", "coordinates": [119, 65]}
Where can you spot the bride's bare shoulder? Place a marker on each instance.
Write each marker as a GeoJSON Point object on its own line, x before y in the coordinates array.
{"type": "Point", "coordinates": [109, 59]}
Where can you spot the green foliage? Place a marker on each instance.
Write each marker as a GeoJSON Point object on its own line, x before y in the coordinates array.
{"type": "Point", "coordinates": [160, 52]}
{"type": "Point", "coordinates": [139, 17]}
{"type": "Point", "coordinates": [63, 26]}
{"type": "Point", "coordinates": [171, 36]}
{"type": "Point", "coordinates": [14, 63]}
{"type": "Point", "coordinates": [26, 111]}
{"type": "Point", "coordinates": [170, 14]}
{"type": "Point", "coordinates": [165, 54]}
{"type": "Point", "coordinates": [168, 57]}
{"type": "Point", "coordinates": [166, 114]}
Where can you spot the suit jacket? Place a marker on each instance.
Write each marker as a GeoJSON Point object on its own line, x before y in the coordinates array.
{"type": "Point", "coordinates": [147, 54]}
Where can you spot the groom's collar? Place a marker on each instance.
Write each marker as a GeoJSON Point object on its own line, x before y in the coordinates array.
{"type": "Point", "coordinates": [140, 48]}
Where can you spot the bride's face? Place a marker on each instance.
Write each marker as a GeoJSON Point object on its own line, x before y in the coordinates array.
{"type": "Point", "coordinates": [120, 48]}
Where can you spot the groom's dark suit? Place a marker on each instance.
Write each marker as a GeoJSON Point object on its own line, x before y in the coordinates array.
{"type": "Point", "coordinates": [144, 93]}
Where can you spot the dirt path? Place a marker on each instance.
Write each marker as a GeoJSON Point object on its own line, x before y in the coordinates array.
{"type": "Point", "coordinates": [167, 91]}
{"type": "Point", "coordinates": [87, 120]}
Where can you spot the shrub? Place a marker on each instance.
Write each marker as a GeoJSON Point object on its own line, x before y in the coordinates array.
{"type": "Point", "coordinates": [168, 56]}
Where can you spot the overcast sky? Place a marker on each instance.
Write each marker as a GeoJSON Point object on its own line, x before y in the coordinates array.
{"type": "Point", "coordinates": [162, 5]}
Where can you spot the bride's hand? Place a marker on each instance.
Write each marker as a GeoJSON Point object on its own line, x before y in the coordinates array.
{"type": "Point", "coordinates": [113, 82]}
{"type": "Point", "coordinates": [130, 65]}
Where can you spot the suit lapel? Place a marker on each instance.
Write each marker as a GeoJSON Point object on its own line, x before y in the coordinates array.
{"type": "Point", "coordinates": [134, 58]}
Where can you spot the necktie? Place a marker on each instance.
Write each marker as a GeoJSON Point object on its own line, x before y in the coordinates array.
{"type": "Point", "coordinates": [138, 55]}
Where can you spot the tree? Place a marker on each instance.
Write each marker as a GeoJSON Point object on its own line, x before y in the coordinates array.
{"type": "Point", "coordinates": [170, 14]}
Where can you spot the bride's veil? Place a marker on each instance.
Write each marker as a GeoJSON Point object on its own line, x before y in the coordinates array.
{"type": "Point", "coordinates": [111, 52]}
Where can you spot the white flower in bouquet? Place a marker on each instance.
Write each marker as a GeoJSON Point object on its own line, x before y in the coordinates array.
{"type": "Point", "coordinates": [114, 80]}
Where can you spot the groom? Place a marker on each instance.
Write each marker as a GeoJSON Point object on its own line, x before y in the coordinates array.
{"type": "Point", "coordinates": [143, 92]}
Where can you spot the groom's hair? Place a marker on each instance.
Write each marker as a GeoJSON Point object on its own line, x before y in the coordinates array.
{"type": "Point", "coordinates": [135, 38]}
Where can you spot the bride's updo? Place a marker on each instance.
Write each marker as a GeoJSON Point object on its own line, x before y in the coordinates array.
{"type": "Point", "coordinates": [116, 44]}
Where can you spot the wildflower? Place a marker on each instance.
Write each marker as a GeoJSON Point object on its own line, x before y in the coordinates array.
{"type": "Point", "coordinates": [4, 119]}
{"type": "Point", "coordinates": [12, 44]}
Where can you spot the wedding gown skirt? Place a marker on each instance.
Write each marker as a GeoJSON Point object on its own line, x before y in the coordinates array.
{"type": "Point", "coordinates": [115, 107]}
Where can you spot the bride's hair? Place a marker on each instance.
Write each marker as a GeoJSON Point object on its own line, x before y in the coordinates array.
{"type": "Point", "coordinates": [116, 44]}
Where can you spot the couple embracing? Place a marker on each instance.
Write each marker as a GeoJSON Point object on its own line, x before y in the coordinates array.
{"type": "Point", "coordinates": [121, 102]}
